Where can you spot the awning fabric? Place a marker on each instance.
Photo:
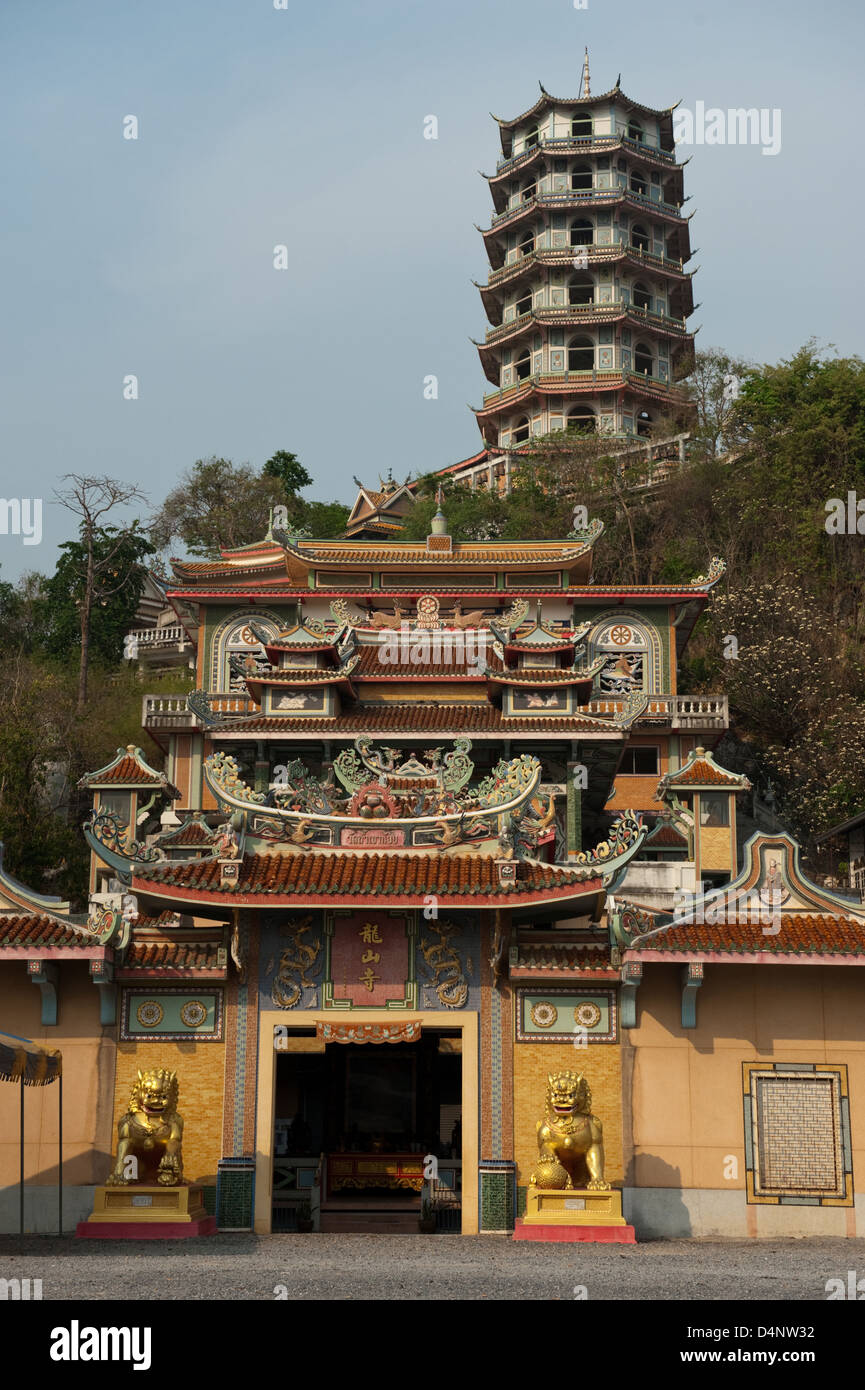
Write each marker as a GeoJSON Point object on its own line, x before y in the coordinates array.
{"type": "Point", "coordinates": [21, 1059]}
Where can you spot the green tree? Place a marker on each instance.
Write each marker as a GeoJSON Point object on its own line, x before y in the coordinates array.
{"type": "Point", "coordinates": [119, 574]}
{"type": "Point", "coordinates": [290, 471]}
{"type": "Point", "coordinates": [216, 507]}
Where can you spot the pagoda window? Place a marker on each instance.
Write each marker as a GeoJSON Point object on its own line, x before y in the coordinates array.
{"type": "Point", "coordinates": [526, 244]}
{"type": "Point", "coordinates": [236, 651]}
{"type": "Point", "coordinates": [532, 138]}
{"type": "Point", "coordinates": [523, 306]}
{"type": "Point", "coordinates": [529, 191]}
{"type": "Point", "coordinates": [521, 430]}
{"type": "Point", "coordinates": [582, 232]}
{"type": "Point", "coordinates": [641, 296]}
{"type": "Point", "coordinates": [633, 658]}
{"type": "Point", "coordinates": [638, 182]}
{"type": "Point", "coordinates": [639, 761]}
{"type": "Point", "coordinates": [582, 177]}
{"type": "Point", "coordinates": [118, 804]}
{"type": "Point", "coordinates": [640, 237]}
{"type": "Point", "coordinates": [581, 355]}
{"type": "Point", "coordinates": [635, 131]}
{"type": "Point", "coordinates": [524, 365]}
{"type": "Point", "coordinates": [644, 360]}
{"type": "Point", "coordinates": [582, 419]}
{"type": "Point", "coordinates": [581, 290]}
{"type": "Point", "coordinates": [581, 125]}
{"type": "Point", "coordinates": [714, 810]}
{"type": "Point", "coordinates": [644, 424]}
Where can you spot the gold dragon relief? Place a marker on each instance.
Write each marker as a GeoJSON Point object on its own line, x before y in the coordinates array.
{"type": "Point", "coordinates": [298, 960]}
{"type": "Point", "coordinates": [444, 967]}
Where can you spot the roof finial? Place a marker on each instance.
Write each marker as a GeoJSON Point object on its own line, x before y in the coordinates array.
{"type": "Point", "coordinates": [586, 92]}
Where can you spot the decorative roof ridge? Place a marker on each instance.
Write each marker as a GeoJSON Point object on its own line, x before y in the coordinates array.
{"type": "Point", "coordinates": [149, 775]}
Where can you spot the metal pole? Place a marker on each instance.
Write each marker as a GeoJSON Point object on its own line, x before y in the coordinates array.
{"type": "Point", "coordinates": [60, 1155]}
{"type": "Point", "coordinates": [21, 1156]}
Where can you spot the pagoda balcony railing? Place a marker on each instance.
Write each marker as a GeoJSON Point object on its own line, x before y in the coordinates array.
{"type": "Point", "coordinates": [564, 255]}
{"type": "Point", "coordinates": [587, 144]}
{"type": "Point", "coordinates": [171, 711]}
{"type": "Point", "coordinates": [175, 635]}
{"type": "Point", "coordinates": [680, 711]}
{"type": "Point", "coordinates": [553, 313]}
{"type": "Point", "coordinates": [595, 377]}
{"type": "Point", "coordinates": [596, 192]}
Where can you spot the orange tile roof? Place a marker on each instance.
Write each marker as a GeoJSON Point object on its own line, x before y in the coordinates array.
{"type": "Point", "coordinates": [809, 934]}
{"type": "Point", "coordinates": [355, 874]}
{"type": "Point", "coordinates": [174, 957]}
{"type": "Point", "coordinates": [37, 929]}
{"type": "Point", "coordinates": [703, 772]}
{"type": "Point", "coordinates": [421, 717]}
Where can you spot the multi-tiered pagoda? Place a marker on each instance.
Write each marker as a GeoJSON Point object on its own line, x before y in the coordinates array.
{"type": "Point", "coordinates": [588, 295]}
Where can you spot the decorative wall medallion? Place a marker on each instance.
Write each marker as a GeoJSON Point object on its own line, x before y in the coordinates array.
{"type": "Point", "coordinates": [620, 634]}
{"type": "Point", "coordinates": [427, 611]}
{"type": "Point", "coordinates": [544, 1014]}
{"type": "Point", "coordinates": [171, 1014]}
{"type": "Point", "coordinates": [587, 1015]}
{"type": "Point", "coordinates": [193, 1013]}
{"type": "Point", "coordinates": [149, 1014]}
{"type": "Point", "coordinates": [551, 1014]}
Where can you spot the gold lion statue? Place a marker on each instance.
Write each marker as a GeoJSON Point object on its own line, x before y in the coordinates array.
{"type": "Point", "coordinates": [570, 1137]}
{"type": "Point", "coordinates": [151, 1133]}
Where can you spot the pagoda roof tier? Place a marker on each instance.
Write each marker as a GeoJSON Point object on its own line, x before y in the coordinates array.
{"type": "Point", "coordinates": [299, 561]}
{"type": "Point", "coordinates": [551, 257]}
{"type": "Point", "coordinates": [494, 294]}
{"type": "Point", "coordinates": [420, 718]}
{"type": "Point", "coordinates": [129, 769]}
{"type": "Point", "coordinates": [302, 638]}
{"type": "Point", "coordinates": [564, 145]}
{"type": "Point", "coordinates": [575, 202]}
{"type": "Point", "coordinates": [577, 384]}
{"type": "Point", "coordinates": [702, 773]}
{"type": "Point", "coordinates": [532, 676]}
{"type": "Point", "coordinates": [350, 878]}
{"type": "Point", "coordinates": [577, 316]}
{"type": "Point", "coordinates": [302, 677]}
{"type": "Point", "coordinates": [546, 101]}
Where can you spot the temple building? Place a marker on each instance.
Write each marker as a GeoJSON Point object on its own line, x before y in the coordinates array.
{"type": "Point", "coordinates": [437, 824]}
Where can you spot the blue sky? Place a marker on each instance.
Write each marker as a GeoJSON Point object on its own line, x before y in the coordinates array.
{"type": "Point", "coordinates": [305, 127]}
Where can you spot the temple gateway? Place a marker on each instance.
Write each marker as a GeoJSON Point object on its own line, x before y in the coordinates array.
{"type": "Point", "coordinates": [438, 837]}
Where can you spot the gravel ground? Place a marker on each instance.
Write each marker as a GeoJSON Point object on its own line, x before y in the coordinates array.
{"type": "Point", "coordinates": [427, 1267]}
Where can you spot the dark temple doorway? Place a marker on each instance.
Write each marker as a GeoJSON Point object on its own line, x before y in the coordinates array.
{"type": "Point", "coordinates": [354, 1124]}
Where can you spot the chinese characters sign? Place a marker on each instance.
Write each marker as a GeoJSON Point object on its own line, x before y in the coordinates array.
{"type": "Point", "coordinates": [370, 962]}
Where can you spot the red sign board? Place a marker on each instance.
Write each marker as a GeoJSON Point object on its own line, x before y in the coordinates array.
{"type": "Point", "coordinates": [369, 959]}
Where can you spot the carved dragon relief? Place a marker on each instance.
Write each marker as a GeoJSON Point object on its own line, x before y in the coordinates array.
{"type": "Point", "coordinates": [296, 960]}
{"type": "Point", "coordinates": [444, 967]}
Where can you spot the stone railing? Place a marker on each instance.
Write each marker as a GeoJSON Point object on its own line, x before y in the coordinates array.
{"type": "Point", "coordinates": [171, 711]}
{"type": "Point", "coordinates": [160, 636]}
{"type": "Point", "coordinates": [586, 144]}
{"type": "Point", "coordinates": [682, 711]}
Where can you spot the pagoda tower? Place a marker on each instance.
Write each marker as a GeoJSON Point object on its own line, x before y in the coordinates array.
{"type": "Point", "coordinates": [588, 296]}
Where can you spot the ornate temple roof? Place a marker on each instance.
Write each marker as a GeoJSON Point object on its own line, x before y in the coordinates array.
{"type": "Point", "coordinates": [129, 768]}
{"type": "Point", "coordinates": [27, 930]}
{"type": "Point", "coordinates": [314, 878]}
{"type": "Point", "coordinates": [702, 772]}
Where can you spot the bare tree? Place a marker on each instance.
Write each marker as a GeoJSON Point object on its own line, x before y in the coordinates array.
{"type": "Point", "coordinates": [91, 499]}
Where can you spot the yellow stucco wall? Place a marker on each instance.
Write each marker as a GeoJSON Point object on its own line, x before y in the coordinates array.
{"type": "Point", "coordinates": [687, 1091]}
{"type": "Point", "coordinates": [600, 1063]}
{"type": "Point", "coordinates": [88, 1077]}
{"type": "Point", "coordinates": [200, 1071]}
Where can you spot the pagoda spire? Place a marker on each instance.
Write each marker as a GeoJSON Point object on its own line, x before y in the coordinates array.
{"type": "Point", "coordinates": [586, 92]}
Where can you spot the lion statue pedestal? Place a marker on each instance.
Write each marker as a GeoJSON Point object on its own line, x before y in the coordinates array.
{"type": "Point", "coordinates": [145, 1196]}
{"type": "Point", "coordinates": [568, 1198]}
